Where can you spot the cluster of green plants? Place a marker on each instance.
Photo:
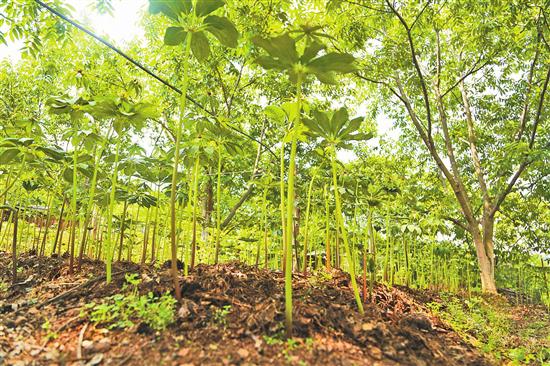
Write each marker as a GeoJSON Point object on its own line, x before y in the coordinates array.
{"type": "Point", "coordinates": [50, 333]}
{"type": "Point", "coordinates": [220, 315]}
{"type": "Point", "coordinates": [124, 309]}
{"type": "Point", "coordinates": [487, 323]}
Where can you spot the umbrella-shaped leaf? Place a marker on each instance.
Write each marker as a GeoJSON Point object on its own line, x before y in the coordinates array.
{"type": "Point", "coordinates": [311, 51]}
{"type": "Point", "coordinates": [275, 113]}
{"type": "Point", "coordinates": [171, 8]}
{"type": "Point", "coordinates": [174, 36]}
{"type": "Point", "coordinates": [282, 48]}
{"type": "Point", "coordinates": [222, 29]}
{"type": "Point", "coordinates": [333, 62]}
{"type": "Point", "coordinates": [200, 46]}
{"type": "Point", "coordinates": [338, 120]}
{"type": "Point", "coordinates": [205, 7]}
{"type": "Point", "coordinates": [268, 63]}
{"type": "Point", "coordinates": [8, 156]}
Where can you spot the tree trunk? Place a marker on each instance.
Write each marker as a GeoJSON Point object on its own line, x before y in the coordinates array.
{"type": "Point", "coordinates": [485, 254]}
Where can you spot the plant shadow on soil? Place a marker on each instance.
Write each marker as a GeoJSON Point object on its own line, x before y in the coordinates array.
{"type": "Point", "coordinates": [230, 314]}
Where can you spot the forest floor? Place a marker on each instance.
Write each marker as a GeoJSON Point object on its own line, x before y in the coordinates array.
{"type": "Point", "coordinates": [232, 314]}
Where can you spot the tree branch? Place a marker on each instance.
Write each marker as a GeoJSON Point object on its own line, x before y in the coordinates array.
{"type": "Point", "coordinates": [524, 165]}
{"type": "Point", "coordinates": [418, 71]}
{"type": "Point", "coordinates": [473, 148]}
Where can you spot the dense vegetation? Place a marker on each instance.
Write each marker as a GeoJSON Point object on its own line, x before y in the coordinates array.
{"type": "Point", "coordinates": [251, 133]}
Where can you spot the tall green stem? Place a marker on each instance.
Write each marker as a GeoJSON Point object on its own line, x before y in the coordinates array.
{"type": "Point", "coordinates": [340, 223]}
{"type": "Point", "coordinates": [306, 234]}
{"type": "Point", "coordinates": [173, 186]}
{"type": "Point", "coordinates": [91, 196]}
{"type": "Point", "coordinates": [327, 229]}
{"type": "Point", "coordinates": [73, 209]}
{"type": "Point", "coordinates": [290, 210]}
{"type": "Point", "coordinates": [114, 177]}
{"type": "Point", "coordinates": [283, 204]}
{"type": "Point", "coordinates": [265, 227]}
{"type": "Point", "coordinates": [218, 205]}
{"type": "Point", "coordinates": [196, 171]}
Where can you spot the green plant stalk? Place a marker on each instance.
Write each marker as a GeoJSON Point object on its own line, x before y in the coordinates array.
{"type": "Point", "coordinates": [406, 248]}
{"type": "Point", "coordinates": [14, 247]}
{"type": "Point", "coordinates": [108, 243]}
{"type": "Point", "coordinates": [387, 255]}
{"type": "Point", "coordinates": [340, 222]}
{"type": "Point", "coordinates": [155, 230]}
{"type": "Point", "coordinates": [283, 204]}
{"type": "Point", "coordinates": [306, 234]}
{"type": "Point", "coordinates": [9, 185]}
{"type": "Point", "coordinates": [73, 209]}
{"type": "Point", "coordinates": [218, 205]}
{"type": "Point", "coordinates": [10, 219]}
{"type": "Point", "coordinates": [432, 261]}
{"type": "Point", "coordinates": [173, 186]}
{"type": "Point", "coordinates": [196, 172]}
{"type": "Point", "coordinates": [187, 259]}
{"type": "Point", "coordinates": [327, 229]}
{"type": "Point", "coordinates": [265, 227]}
{"type": "Point", "coordinates": [289, 212]}
{"type": "Point", "coordinates": [48, 218]}
{"type": "Point", "coordinates": [372, 252]}
{"type": "Point", "coordinates": [145, 236]}
{"type": "Point", "coordinates": [91, 196]}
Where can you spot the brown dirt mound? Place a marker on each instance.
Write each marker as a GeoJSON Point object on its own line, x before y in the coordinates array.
{"type": "Point", "coordinates": [396, 329]}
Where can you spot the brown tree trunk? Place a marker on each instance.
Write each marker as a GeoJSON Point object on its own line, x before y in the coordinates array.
{"type": "Point", "coordinates": [483, 242]}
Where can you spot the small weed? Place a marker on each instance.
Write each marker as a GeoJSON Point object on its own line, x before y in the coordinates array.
{"type": "Point", "coordinates": [220, 315]}
{"type": "Point", "coordinates": [50, 334]}
{"type": "Point", "coordinates": [121, 310]}
{"type": "Point", "coordinates": [320, 276]}
{"type": "Point", "coordinates": [271, 341]}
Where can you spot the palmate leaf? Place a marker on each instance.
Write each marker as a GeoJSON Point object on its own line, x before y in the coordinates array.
{"type": "Point", "coordinates": [268, 63]}
{"type": "Point", "coordinates": [333, 62]}
{"type": "Point", "coordinates": [275, 113]}
{"type": "Point", "coordinates": [200, 46]}
{"type": "Point", "coordinates": [318, 126]}
{"type": "Point", "coordinates": [223, 29]}
{"type": "Point", "coordinates": [338, 120]}
{"type": "Point", "coordinates": [205, 7]}
{"type": "Point", "coordinates": [171, 8]}
{"type": "Point", "coordinates": [174, 36]}
{"type": "Point", "coordinates": [9, 156]}
{"type": "Point", "coordinates": [336, 128]}
{"type": "Point", "coordinates": [311, 51]}
{"type": "Point", "coordinates": [282, 48]}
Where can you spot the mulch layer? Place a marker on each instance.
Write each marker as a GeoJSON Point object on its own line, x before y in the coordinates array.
{"type": "Point", "coordinates": [396, 328]}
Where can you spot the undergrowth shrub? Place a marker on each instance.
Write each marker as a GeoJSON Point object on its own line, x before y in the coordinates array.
{"type": "Point", "coordinates": [487, 324]}
{"type": "Point", "coordinates": [123, 310]}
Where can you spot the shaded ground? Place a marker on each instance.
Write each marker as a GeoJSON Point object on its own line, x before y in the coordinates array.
{"type": "Point", "coordinates": [396, 330]}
